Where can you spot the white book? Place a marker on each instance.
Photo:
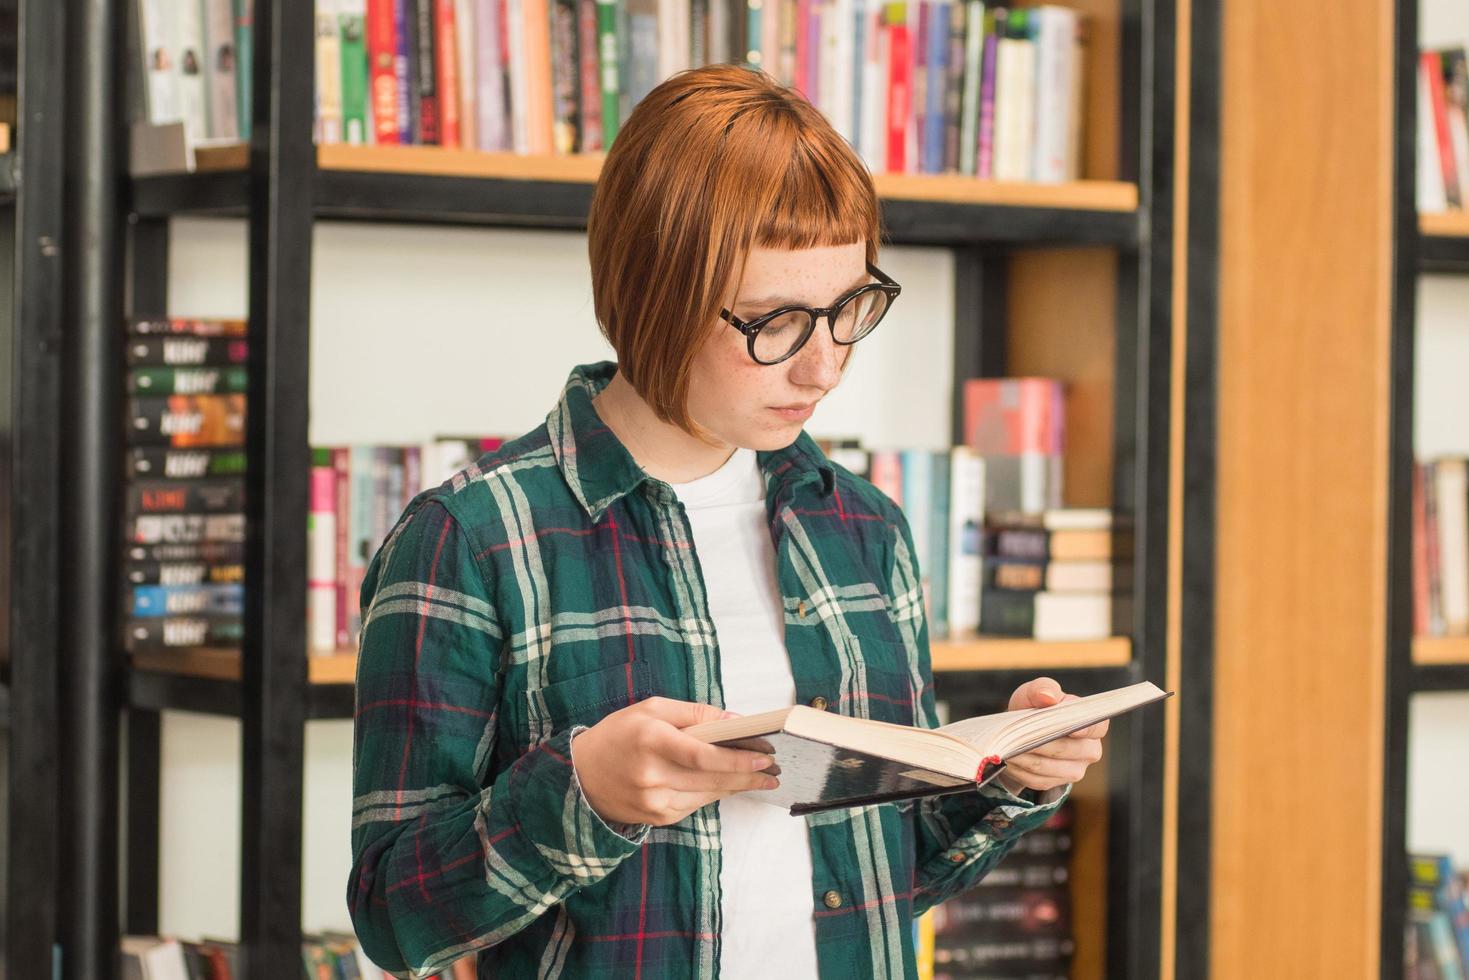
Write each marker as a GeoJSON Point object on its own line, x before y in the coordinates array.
{"type": "Point", "coordinates": [918, 508]}
{"type": "Point", "coordinates": [491, 132]}
{"type": "Point", "coordinates": [328, 73]}
{"type": "Point", "coordinates": [220, 69]}
{"type": "Point", "coordinates": [673, 38]}
{"type": "Point", "coordinates": [1014, 79]}
{"type": "Point", "coordinates": [966, 528]}
{"type": "Point", "coordinates": [969, 100]}
{"type": "Point", "coordinates": [1055, 44]}
{"type": "Point", "coordinates": [874, 89]}
{"type": "Point", "coordinates": [1080, 576]}
{"type": "Point", "coordinates": [1061, 616]}
{"type": "Point", "coordinates": [1076, 105]}
{"type": "Point", "coordinates": [158, 41]}
{"type": "Point", "coordinates": [193, 105]}
{"type": "Point", "coordinates": [519, 123]}
{"type": "Point", "coordinates": [1431, 196]}
{"type": "Point", "coordinates": [1453, 542]}
{"type": "Point", "coordinates": [464, 42]}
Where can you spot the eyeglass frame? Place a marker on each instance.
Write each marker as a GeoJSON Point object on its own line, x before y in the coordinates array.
{"type": "Point", "coordinates": [751, 328]}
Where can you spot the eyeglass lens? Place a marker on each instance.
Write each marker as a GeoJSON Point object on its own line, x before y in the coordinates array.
{"type": "Point", "coordinates": [854, 320]}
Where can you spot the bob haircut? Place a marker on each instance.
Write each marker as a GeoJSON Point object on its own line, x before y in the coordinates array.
{"type": "Point", "coordinates": [713, 162]}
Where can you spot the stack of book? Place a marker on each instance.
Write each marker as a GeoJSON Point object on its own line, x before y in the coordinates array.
{"type": "Point", "coordinates": [1019, 426]}
{"type": "Point", "coordinates": [1057, 575]}
{"type": "Point", "coordinates": [1441, 548]}
{"type": "Point", "coordinates": [324, 956]}
{"type": "Point", "coordinates": [1437, 938]}
{"type": "Point", "coordinates": [1016, 923]}
{"type": "Point", "coordinates": [1443, 129]}
{"type": "Point", "coordinates": [184, 522]}
{"type": "Point", "coordinates": [357, 495]}
{"type": "Point", "coordinates": [915, 86]}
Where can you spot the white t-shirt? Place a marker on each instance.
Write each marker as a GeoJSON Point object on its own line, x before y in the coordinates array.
{"type": "Point", "coordinates": [765, 871]}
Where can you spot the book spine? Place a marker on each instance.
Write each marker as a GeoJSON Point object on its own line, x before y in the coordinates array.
{"type": "Point", "coordinates": [157, 34]}
{"type": "Point", "coordinates": [539, 107]}
{"type": "Point", "coordinates": [187, 421]}
{"type": "Point", "coordinates": [219, 69]}
{"type": "Point", "coordinates": [342, 523]}
{"type": "Point", "coordinates": [936, 90]}
{"type": "Point", "coordinates": [1420, 555]}
{"type": "Point", "coordinates": [966, 518]}
{"type": "Point", "coordinates": [321, 561]}
{"type": "Point", "coordinates": [939, 547]}
{"type": "Point", "coordinates": [183, 573]}
{"type": "Point", "coordinates": [589, 93]}
{"type": "Point", "coordinates": [185, 463]}
{"type": "Point", "coordinates": [382, 53]}
{"type": "Point", "coordinates": [1453, 523]}
{"type": "Point", "coordinates": [352, 45]}
{"type": "Point", "coordinates": [363, 543]}
{"type": "Point", "coordinates": [489, 100]}
{"type": "Point", "coordinates": [328, 73]}
{"type": "Point", "coordinates": [446, 71]}
{"type": "Point", "coordinates": [153, 529]}
{"type": "Point", "coordinates": [187, 381]}
{"type": "Point", "coordinates": [184, 496]}
{"type": "Point", "coordinates": [994, 29]}
{"type": "Point", "coordinates": [173, 633]}
{"type": "Point", "coordinates": [187, 600]}
{"type": "Point", "coordinates": [1433, 62]}
{"type": "Point", "coordinates": [515, 40]}
{"type": "Point", "coordinates": [213, 552]}
{"type": "Point", "coordinates": [244, 64]}
{"type": "Point", "coordinates": [192, 52]}
{"type": "Point", "coordinates": [564, 76]}
{"type": "Point", "coordinates": [465, 39]}
{"type": "Point", "coordinates": [405, 62]}
{"type": "Point", "coordinates": [425, 73]}
{"type": "Point", "coordinates": [899, 87]}
{"type": "Point", "coordinates": [185, 351]}
{"type": "Point", "coordinates": [610, 74]}
{"type": "Point", "coordinates": [956, 84]}
{"type": "Point", "coordinates": [169, 326]}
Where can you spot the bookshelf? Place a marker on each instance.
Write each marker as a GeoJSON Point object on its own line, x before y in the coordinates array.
{"type": "Point", "coordinates": [31, 528]}
{"type": "Point", "coordinates": [1108, 333]}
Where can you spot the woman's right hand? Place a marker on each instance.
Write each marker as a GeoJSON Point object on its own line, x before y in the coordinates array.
{"type": "Point", "coordinates": [637, 766]}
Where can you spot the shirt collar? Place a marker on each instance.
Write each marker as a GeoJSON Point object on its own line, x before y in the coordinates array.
{"type": "Point", "coordinates": [599, 469]}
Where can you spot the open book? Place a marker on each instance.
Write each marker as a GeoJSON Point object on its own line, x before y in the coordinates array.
{"type": "Point", "coordinates": [825, 760]}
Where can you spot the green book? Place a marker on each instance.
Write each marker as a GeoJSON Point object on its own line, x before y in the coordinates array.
{"type": "Point", "coordinates": [244, 62]}
{"type": "Point", "coordinates": [607, 56]}
{"type": "Point", "coordinates": [352, 21]}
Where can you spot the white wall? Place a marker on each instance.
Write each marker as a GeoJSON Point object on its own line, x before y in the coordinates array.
{"type": "Point", "coordinates": [417, 331]}
{"type": "Point", "coordinates": [1438, 794]}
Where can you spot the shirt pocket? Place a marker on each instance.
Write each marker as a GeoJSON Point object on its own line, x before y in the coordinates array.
{"type": "Point", "coordinates": [588, 698]}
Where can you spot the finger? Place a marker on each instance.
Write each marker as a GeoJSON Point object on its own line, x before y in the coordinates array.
{"type": "Point", "coordinates": [681, 714]}
{"type": "Point", "coordinates": [1098, 730]}
{"type": "Point", "coordinates": [717, 784]}
{"type": "Point", "coordinates": [688, 752]}
{"type": "Point", "coordinates": [1073, 748]}
{"type": "Point", "coordinates": [1039, 693]}
{"type": "Point", "coordinates": [1065, 770]}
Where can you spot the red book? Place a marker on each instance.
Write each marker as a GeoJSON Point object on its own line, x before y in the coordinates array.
{"type": "Point", "coordinates": [900, 80]}
{"type": "Point", "coordinates": [447, 66]}
{"type": "Point", "coordinates": [803, 48]}
{"type": "Point", "coordinates": [382, 48]}
{"type": "Point", "coordinates": [1433, 64]}
{"type": "Point", "coordinates": [591, 85]}
{"type": "Point", "coordinates": [1012, 416]}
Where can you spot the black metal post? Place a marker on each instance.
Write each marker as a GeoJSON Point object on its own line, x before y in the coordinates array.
{"type": "Point", "coordinates": [282, 174]}
{"type": "Point", "coordinates": [89, 920]}
{"type": "Point", "coordinates": [34, 431]}
{"type": "Point", "coordinates": [1196, 613]}
{"type": "Point", "coordinates": [1398, 678]}
{"type": "Point", "coordinates": [979, 323]}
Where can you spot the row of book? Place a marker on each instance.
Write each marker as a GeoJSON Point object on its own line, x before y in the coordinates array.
{"type": "Point", "coordinates": [915, 86]}
{"type": "Point", "coordinates": [1441, 547]}
{"type": "Point", "coordinates": [325, 956]}
{"type": "Point", "coordinates": [1443, 129]}
{"type": "Point", "coordinates": [1015, 924]}
{"type": "Point", "coordinates": [1436, 943]}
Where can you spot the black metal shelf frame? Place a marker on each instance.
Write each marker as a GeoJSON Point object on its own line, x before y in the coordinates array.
{"type": "Point", "coordinates": [1443, 254]}
{"type": "Point", "coordinates": [282, 194]}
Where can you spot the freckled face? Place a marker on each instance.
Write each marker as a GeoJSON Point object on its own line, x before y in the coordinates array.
{"type": "Point", "coordinates": [764, 407]}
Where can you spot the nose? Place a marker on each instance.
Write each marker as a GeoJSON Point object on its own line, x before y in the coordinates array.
{"type": "Point", "coordinates": [819, 363]}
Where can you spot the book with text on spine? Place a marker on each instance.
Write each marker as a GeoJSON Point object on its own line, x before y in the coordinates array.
{"type": "Point", "coordinates": [826, 761]}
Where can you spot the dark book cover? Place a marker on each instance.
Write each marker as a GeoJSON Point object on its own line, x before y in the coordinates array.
{"type": "Point", "coordinates": [187, 421]}
{"type": "Point", "coordinates": [176, 632]}
{"type": "Point", "coordinates": [149, 572]}
{"type": "Point", "coordinates": [149, 326]}
{"type": "Point", "coordinates": [1003, 613]}
{"type": "Point", "coordinates": [185, 528]}
{"type": "Point", "coordinates": [179, 464]}
{"type": "Point", "coordinates": [426, 69]}
{"type": "Point", "coordinates": [565, 78]}
{"type": "Point", "coordinates": [188, 380]}
{"type": "Point", "coordinates": [186, 351]}
{"type": "Point", "coordinates": [212, 552]}
{"type": "Point", "coordinates": [185, 496]}
{"type": "Point", "coordinates": [1004, 913]}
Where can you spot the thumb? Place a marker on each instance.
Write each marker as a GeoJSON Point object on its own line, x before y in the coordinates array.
{"type": "Point", "coordinates": [682, 714]}
{"type": "Point", "coordinates": [1039, 693]}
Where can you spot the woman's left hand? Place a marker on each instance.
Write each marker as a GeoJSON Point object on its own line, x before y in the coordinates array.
{"type": "Point", "coordinates": [1056, 763]}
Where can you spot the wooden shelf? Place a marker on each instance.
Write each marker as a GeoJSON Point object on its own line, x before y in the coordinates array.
{"type": "Point", "coordinates": [1430, 651]}
{"type": "Point", "coordinates": [428, 184]}
{"type": "Point", "coordinates": [224, 665]}
{"type": "Point", "coordinates": [1003, 653]}
{"type": "Point", "coordinates": [1443, 242]}
{"type": "Point", "coordinates": [1454, 224]}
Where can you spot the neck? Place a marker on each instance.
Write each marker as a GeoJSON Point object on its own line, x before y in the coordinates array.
{"type": "Point", "coordinates": [664, 451]}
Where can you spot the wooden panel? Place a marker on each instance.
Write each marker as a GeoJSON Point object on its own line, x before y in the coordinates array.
{"type": "Point", "coordinates": [1441, 650]}
{"type": "Point", "coordinates": [997, 653]}
{"type": "Point", "coordinates": [1089, 874]}
{"type": "Point", "coordinates": [1302, 488]}
{"type": "Point", "coordinates": [1063, 324]}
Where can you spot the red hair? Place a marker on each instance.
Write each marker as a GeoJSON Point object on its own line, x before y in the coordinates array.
{"type": "Point", "coordinates": [713, 162]}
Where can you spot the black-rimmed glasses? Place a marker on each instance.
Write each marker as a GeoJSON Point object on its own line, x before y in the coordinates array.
{"type": "Point", "coordinates": [775, 336]}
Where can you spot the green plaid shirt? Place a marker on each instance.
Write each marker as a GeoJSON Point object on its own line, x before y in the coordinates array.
{"type": "Point", "coordinates": [553, 582]}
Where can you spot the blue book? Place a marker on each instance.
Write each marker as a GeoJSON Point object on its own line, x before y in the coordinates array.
{"type": "Point", "coordinates": [938, 60]}
{"type": "Point", "coordinates": [188, 600]}
{"type": "Point", "coordinates": [938, 561]}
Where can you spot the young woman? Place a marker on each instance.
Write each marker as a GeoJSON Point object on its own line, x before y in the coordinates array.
{"type": "Point", "coordinates": [668, 547]}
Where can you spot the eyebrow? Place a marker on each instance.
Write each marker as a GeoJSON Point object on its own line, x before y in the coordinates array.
{"type": "Point", "coordinates": [771, 302]}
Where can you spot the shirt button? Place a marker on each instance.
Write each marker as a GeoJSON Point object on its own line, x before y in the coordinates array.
{"type": "Point", "coordinates": [831, 899]}
{"type": "Point", "coordinates": [801, 609]}
{"type": "Point", "coordinates": [958, 857]}
{"type": "Point", "coordinates": [819, 703]}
